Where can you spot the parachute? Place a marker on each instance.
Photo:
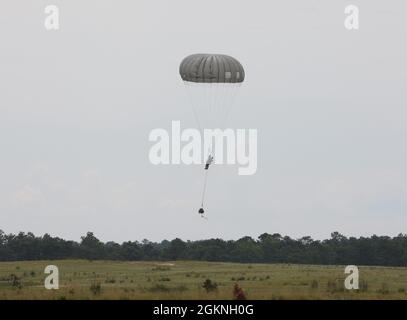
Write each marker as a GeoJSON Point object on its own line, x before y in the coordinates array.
{"type": "Point", "coordinates": [212, 81]}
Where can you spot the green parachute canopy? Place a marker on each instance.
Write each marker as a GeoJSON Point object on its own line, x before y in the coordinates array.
{"type": "Point", "coordinates": [211, 68]}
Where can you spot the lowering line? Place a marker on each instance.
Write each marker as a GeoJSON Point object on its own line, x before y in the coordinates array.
{"type": "Point", "coordinates": [208, 163]}
{"type": "Point", "coordinates": [204, 188]}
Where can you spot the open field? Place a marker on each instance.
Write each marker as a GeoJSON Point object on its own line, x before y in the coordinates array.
{"type": "Point", "coordinates": [80, 279]}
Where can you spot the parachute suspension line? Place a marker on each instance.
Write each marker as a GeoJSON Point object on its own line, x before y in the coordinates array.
{"type": "Point", "coordinates": [194, 107]}
{"type": "Point", "coordinates": [231, 93]}
{"type": "Point", "coordinates": [223, 104]}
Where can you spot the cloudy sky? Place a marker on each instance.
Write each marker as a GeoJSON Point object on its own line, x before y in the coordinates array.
{"type": "Point", "coordinates": [77, 106]}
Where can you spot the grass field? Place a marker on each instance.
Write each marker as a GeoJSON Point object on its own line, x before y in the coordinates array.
{"type": "Point", "coordinates": [80, 279]}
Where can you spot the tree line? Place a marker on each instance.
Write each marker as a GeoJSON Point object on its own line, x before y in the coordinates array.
{"type": "Point", "coordinates": [267, 248]}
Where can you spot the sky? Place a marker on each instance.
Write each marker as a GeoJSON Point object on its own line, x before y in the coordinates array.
{"type": "Point", "coordinates": [77, 106]}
